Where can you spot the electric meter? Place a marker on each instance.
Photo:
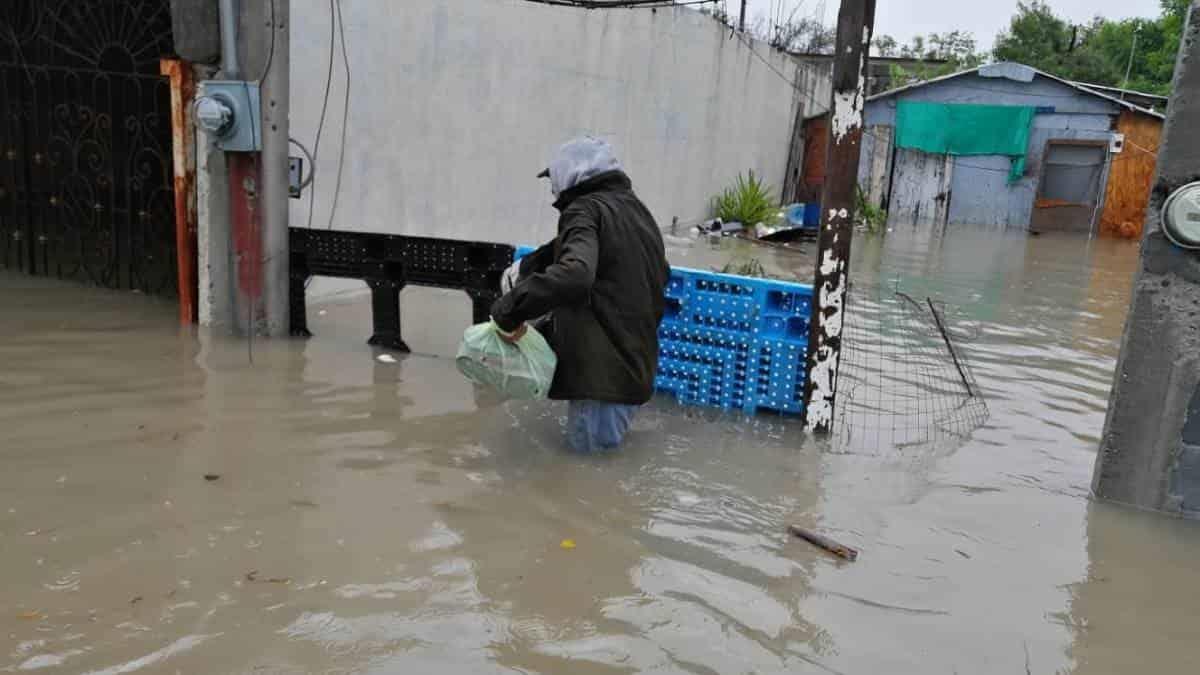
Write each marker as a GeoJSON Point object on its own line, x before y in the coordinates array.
{"type": "Point", "coordinates": [1181, 216]}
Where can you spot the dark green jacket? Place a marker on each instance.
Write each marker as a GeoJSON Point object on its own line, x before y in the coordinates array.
{"type": "Point", "coordinates": [603, 279]}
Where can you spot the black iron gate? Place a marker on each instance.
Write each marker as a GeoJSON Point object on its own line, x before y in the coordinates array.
{"type": "Point", "coordinates": [86, 188]}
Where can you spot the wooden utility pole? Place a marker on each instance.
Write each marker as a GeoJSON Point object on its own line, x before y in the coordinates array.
{"type": "Point", "coordinates": [856, 22]}
{"type": "Point", "coordinates": [742, 18]}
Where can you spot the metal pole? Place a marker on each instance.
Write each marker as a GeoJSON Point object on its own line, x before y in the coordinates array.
{"type": "Point", "coordinates": [1129, 68]}
{"type": "Point", "coordinates": [230, 66]}
{"type": "Point", "coordinates": [937, 319]}
{"type": "Point", "coordinates": [856, 22]}
{"type": "Point", "coordinates": [1149, 453]}
{"type": "Point", "coordinates": [183, 143]}
{"type": "Point", "coordinates": [742, 18]}
{"type": "Point", "coordinates": [276, 87]}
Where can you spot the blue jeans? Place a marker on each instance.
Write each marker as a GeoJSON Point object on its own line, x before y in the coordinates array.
{"type": "Point", "coordinates": [594, 425]}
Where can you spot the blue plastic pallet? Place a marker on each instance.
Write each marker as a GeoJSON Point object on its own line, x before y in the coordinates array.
{"type": "Point", "coordinates": [732, 342]}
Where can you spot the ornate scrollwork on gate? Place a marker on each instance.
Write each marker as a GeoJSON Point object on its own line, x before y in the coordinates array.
{"type": "Point", "coordinates": [85, 156]}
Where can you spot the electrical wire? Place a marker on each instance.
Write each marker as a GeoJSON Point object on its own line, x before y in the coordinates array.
{"type": "Point", "coordinates": [255, 126]}
{"type": "Point", "coordinates": [271, 52]}
{"type": "Point", "coordinates": [1135, 146]}
{"type": "Point", "coordinates": [783, 76]}
{"type": "Point", "coordinates": [321, 124]}
{"type": "Point", "coordinates": [337, 190]}
{"type": "Point", "coordinates": [311, 162]}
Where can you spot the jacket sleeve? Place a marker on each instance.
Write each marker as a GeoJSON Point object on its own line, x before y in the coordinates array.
{"type": "Point", "coordinates": [539, 260]}
{"type": "Point", "coordinates": [568, 280]}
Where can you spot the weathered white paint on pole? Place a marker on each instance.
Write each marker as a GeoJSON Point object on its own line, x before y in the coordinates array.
{"type": "Point", "coordinates": [856, 21]}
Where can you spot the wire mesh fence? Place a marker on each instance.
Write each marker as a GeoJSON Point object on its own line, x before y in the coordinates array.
{"type": "Point", "coordinates": [905, 383]}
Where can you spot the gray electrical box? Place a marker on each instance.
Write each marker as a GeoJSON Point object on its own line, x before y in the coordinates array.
{"type": "Point", "coordinates": [295, 177]}
{"type": "Point", "coordinates": [230, 111]}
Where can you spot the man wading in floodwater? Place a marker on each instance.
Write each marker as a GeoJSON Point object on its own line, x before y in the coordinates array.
{"type": "Point", "coordinates": [602, 281]}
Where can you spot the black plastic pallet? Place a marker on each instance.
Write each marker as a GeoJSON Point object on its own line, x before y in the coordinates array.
{"type": "Point", "coordinates": [388, 263]}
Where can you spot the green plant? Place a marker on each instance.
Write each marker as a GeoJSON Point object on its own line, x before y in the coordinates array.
{"type": "Point", "coordinates": [867, 213]}
{"type": "Point", "coordinates": [749, 202]}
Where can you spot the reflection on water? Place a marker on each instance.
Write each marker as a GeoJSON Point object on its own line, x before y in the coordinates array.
{"type": "Point", "coordinates": [379, 518]}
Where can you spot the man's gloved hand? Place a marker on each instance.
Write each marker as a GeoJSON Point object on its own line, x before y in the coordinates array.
{"type": "Point", "coordinates": [515, 336]}
{"type": "Point", "coordinates": [510, 277]}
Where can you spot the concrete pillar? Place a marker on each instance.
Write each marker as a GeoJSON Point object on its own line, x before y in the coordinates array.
{"type": "Point", "coordinates": [244, 287]}
{"type": "Point", "coordinates": [195, 31]}
{"type": "Point", "coordinates": [1150, 452]}
{"type": "Point", "coordinates": [213, 233]}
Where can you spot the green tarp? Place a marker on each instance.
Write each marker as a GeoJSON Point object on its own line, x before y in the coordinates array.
{"type": "Point", "coordinates": [965, 129]}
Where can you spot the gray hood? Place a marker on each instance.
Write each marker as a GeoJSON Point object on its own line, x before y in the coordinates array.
{"type": "Point", "coordinates": [580, 160]}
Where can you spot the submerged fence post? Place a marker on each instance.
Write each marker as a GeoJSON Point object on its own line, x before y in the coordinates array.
{"type": "Point", "coordinates": [856, 22]}
{"type": "Point", "coordinates": [1150, 452]}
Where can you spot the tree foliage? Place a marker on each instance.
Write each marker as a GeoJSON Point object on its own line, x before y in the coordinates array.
{"type": "Point", "coordinates": [936, 54]}
{"type": "Point", "coordinates": [1099, 52]}
{"type": "Point", "coordinates": [805, 36]}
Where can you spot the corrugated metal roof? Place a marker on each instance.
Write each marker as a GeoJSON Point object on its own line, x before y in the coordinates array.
{"type": "Point", "coordinates": [1016, 70]}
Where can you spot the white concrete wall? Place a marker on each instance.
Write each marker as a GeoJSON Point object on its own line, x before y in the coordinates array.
{"type": "Point", "coordinates": [456, 105]}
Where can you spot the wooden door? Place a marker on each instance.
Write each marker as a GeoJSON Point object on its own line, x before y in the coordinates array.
{"type": "Point", "coordinates": [920, 188]}
{"type": "Point", "coordinates": [816, 154]}
{"type": "Point", "coordinates": [1069, 193]}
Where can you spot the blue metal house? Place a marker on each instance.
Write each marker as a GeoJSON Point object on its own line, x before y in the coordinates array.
{"type": "Point", "coordinates": [1073, 141]}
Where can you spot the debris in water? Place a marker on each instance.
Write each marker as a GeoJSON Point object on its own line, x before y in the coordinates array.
{"type": "Point", "coordinates": [385, 358]}
{"type": "Point", "coordinates": [252, 577]}
{"type": "Point", "coordinates": [824, 542]}
{"type": "Point", "coordinates": [136, 599]}
{"type": "Point", "coordinates": [567, 544]}
{"type": "Point", "coordinates": [31, 615]}
{"type": "Point", "coordinates": [962, 553]}
{"type": "Point", "coordinates": [210, 477]}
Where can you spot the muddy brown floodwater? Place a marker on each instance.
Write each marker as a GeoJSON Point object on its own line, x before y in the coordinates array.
{"type": "Point", "coordinates": [168, 507]}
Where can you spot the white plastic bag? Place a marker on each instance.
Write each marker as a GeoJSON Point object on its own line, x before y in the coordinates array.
{"type": "Point", "coordinates": [523, 370]}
